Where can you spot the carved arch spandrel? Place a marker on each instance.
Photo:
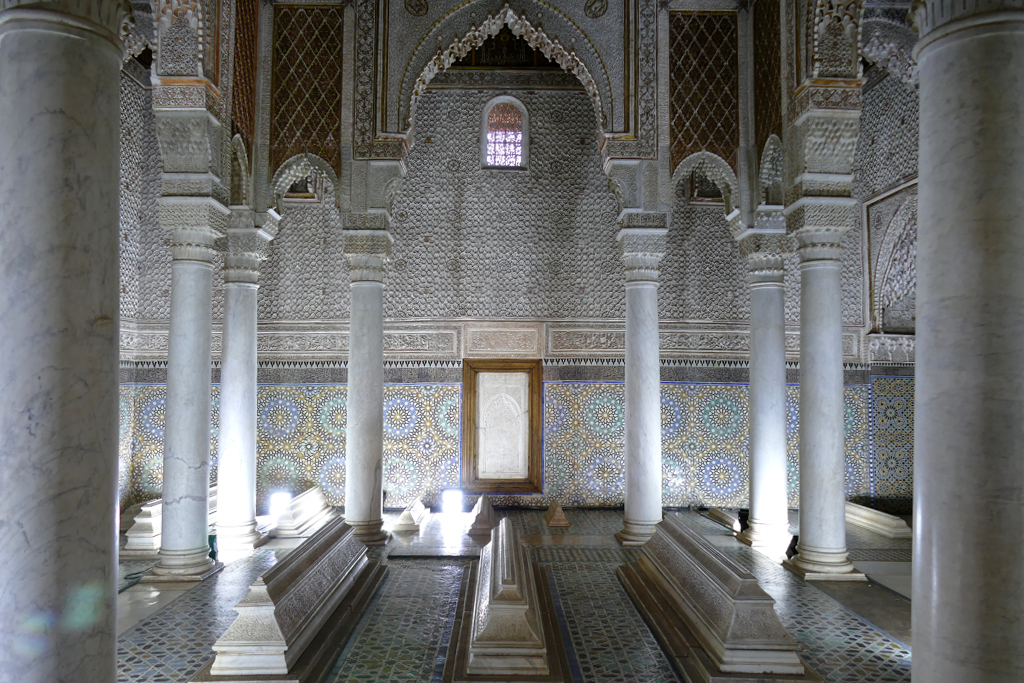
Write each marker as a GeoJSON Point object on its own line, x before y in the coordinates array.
{"type": "Point", "coordinates": [241, 181]}
{"type": "Point", "coordinates": [770, 172]}
{"type": "Point", "coordinates": [422, 68]}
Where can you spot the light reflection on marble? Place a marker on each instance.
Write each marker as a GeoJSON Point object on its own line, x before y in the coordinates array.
{"type": "Point", "coordinates": [443, 534]}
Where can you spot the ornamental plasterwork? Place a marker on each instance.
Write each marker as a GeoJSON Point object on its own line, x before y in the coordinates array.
{"type": "Point", "coordinates": [837, 38]}
{"type": "Point", "coordinates": [299, 167]}
{"type": "Point", "coordinates": [715, 169]}
{"type": "Point", "coordinates": [443, 340]}
{"type": "Point", "coordinates": [379, 126]}
{"type": "Point", "coordinates": [522, 28]}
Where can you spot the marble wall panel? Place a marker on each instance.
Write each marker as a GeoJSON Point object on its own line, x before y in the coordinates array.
{"type": "Point", "coordinates": [301, 442]}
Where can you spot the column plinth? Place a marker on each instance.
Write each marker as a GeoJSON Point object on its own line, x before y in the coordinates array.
{"type": "Point", "coordinates": [642, 243]}
{"type": "Point", "coordinates": [367, 251]}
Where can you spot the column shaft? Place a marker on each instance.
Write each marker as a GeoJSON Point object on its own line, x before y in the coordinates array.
{"type": "Point", "coordinates": [643, 414]}
{"type": "Point", "coordinates": [642, 243]}
{"type": "Point", "coordinates": [365, 435]}
{"type": "Point", "coordinates": [769, 517]}
{"type": "Point", "coordinates": [821, 552]}
{"type": "Point", "coordinates": [236, 463]}
{"type": "Point", "coordinates": [968, 443]}
{"type": "Point", "coordinates": [59, 133]}
{"type": "Point", "coordinates": [184, 544]}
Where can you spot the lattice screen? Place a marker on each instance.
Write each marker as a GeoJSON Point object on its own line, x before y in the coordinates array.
{"type": "Point", "coordinates": [704, 85]}
{"type": "Point", "coordinates": [306, 92]}
{"type": "Point", "coordinates": [243, 103]}
{"type": "Point", "coordinates": [767, 72]}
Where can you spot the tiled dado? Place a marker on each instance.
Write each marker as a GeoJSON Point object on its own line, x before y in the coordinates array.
{"type": "Point", "coordinates": [301, 436]}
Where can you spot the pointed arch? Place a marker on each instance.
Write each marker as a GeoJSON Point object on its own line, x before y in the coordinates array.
{"type": "Point", "coordinates": [770, 172]}
{"type": "Point", "coordinates": [714, 168]}
{"type": "Point", "coordinates": [298, 167]}
{"type": "Point", "coordinates": [241, 185]}
{"type": "Point", "coordinates": [535, 37]}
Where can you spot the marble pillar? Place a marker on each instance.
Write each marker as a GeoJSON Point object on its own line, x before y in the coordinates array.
{"type": "Point", "coordinates": [821, 551]}
{"type": "Point", "coordinates": [367, 251]}
{"type": "Point", "coordinates": [642, 243]}
{"type": "Point", "coordinates": [236, 461]}
{"type": "Point", "coordinates": [768, 528]}
{"type": "Point", "coordinates": [968, 442]}
{"type": "Point", "coordinates": [194, 224]}
{"type": "Point", "coordinates": [59, 142]}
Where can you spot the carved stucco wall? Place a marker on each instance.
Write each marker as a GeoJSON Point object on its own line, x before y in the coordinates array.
{"type": "Point", "coordinates": [140, 177]}
{"type": "Point", "coordinates": [533, 243]}
{"type": "Point", "coordinates": [305, 276]}
{"type": "Point", "coordinates": [887, 158]}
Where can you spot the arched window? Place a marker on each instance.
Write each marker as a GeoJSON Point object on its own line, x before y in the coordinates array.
{"type": "Point", "coordinates": [504, 139]}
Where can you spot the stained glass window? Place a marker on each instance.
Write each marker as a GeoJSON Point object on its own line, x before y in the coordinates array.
{"type": "Point", "coordinates": [505, 135]}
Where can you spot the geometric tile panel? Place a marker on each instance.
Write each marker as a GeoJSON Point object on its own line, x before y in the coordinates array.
{"type": "Point", "coordinates": [301, 442]}
{"type": "Point", "coordinates": [892, 424]}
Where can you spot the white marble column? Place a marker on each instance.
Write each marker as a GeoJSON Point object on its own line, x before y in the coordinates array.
{"type": "Point", "coordinates": [821, 551]}
{"type": "Point", "coordinates": [968, 441]}
{"type": "Point", "coordinates": [236, 462]}
{"type": "Point", "coordinates": [642, 243]}
{"type": "Point", "coordinates": [194, 224]}
{"type": "Point", "coordinates": [367, 250]}
{"type": "Point", "coordinates": [768, 528]}
{"type": "Point", "coordinates": [59, 133]}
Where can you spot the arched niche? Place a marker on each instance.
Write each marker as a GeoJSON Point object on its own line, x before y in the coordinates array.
{"type": "Point", "coordinates": [572, 50]}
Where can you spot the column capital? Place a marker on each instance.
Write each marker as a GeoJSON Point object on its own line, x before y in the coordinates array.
{"type": "Point", "coordinates": [114, 17]}
{"type": "Point", "coordinates": [937, 18]}
{"type": "Point", "coordinates": [194, 223]}
{"type": "Point", "coordinates": [247, 247]}
{"type": "Point", "coordinates": [642, 248]}
{"type": "Point", "coordinates": [367, 252]}
{"type": "Point", "coordinates": [765, 256]}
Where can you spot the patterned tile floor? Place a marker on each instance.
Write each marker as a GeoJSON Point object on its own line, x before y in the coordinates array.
{"type": "Point", "coordinates": [404, 634]}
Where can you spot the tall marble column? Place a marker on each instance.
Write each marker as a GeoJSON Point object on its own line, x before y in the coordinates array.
{"type": "Point", "coordinates": [821, 551]}
{"type": "Point", "coordinates": [59, 142]}
{"type": "Point", "coordinates": [236, 462]}
{"type": "Point", "coordinates": [968, 442]}
{"type": "Point", "coordinates": [194, 223]}
{"type": "Point", "coordinates": [768, 528]}
{"type": "Point", "coordinates": [367, 246]}
{"type": "Point", "coordinates": [642, 243]}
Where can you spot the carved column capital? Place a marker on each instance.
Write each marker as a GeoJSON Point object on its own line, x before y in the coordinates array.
{"type": "Point", "coordinates": [114, 17]}
{"type": "Point", "coordinates": [247, 247]}
{"type": "Point", "coordinates": [936, 18]}
{"type": "Point", "coordinates": [819, 244]}
{"type": "Point", "coordinates": [643, 241]}
{"type": "Point", "coordinates": [194, 224]}
{"type": "Point", "coordinates": [367, 251]}
{"type": "Point", "coordinates": [765, 256]}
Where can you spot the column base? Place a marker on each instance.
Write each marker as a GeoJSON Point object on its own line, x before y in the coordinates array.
{"type": "Point", "coordinates": [370, 533]}
{"type": "Point", "coordinates": [813, 565]}
{"type": "Point", "coordinates": [239, 538]}
{"type": "Point", "coordinates": [635, 533]}
{"type": "Point", "coordinates": [769, 539]}
{"type": "Point", "coordinates": [183, 565]}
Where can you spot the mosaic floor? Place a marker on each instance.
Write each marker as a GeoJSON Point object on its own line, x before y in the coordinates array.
{"type": "Point", "coordinates": [403, 636]}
